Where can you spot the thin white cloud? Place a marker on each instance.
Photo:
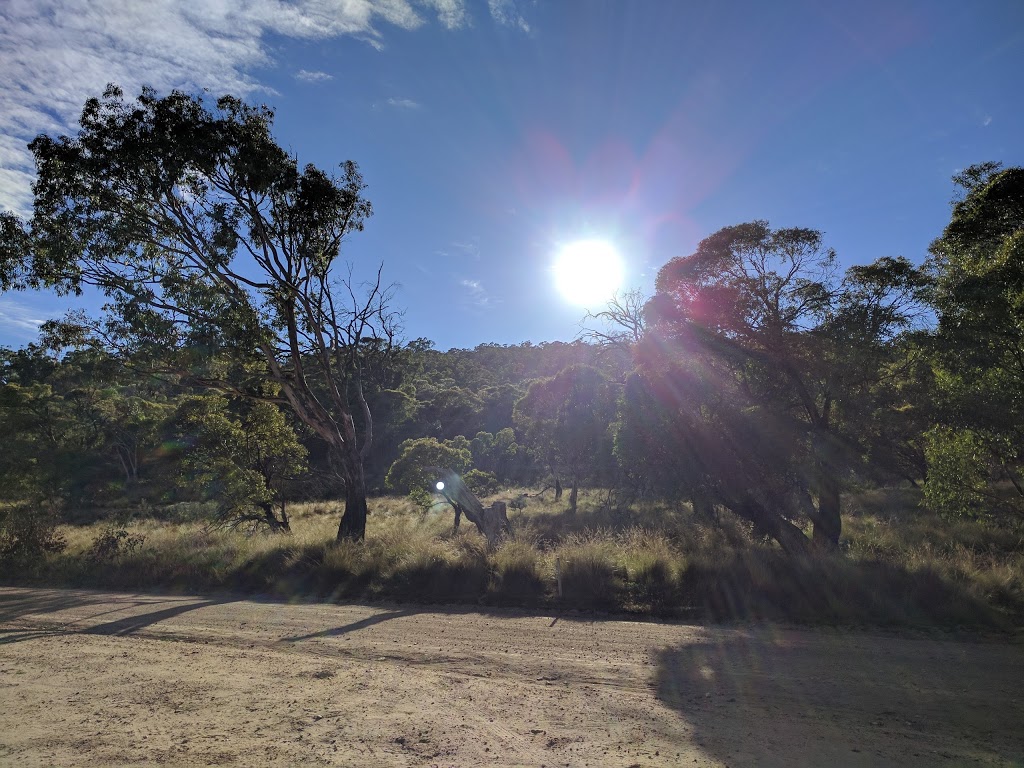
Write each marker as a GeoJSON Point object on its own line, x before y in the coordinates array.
{"type": "Point", "coordinates": [987, 121]}
{"type": "Point", "coordinates": [19, 320]}
{"type": "Point", "coordinates": [451, 13]}
{"type": "Point", "coordinates": [403, 103]}
{"type": "Point", "coordinates": [312, 77]}
{"type": "Point", "coordinates": [506, 12]}
{"type": "Point", "coordinates": [476, 294]}
{"type": "Point", "coordinates": [57, 53]}
{"type": "Point", "coordinates": [470, 247]}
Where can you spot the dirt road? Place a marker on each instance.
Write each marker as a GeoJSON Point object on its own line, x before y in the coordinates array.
{"type": "Point", "coordinates": [92, 678]}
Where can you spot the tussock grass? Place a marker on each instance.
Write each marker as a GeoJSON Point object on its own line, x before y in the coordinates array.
{"type": "Point", "coordinates": [591, 575]}
{"type": "Point", "coordinates": [519, 571]}
{"type": "Point", "coordinates": [901, 565]}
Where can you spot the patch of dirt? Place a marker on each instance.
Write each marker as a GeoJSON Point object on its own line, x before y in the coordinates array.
{"type": "Point", "coordinates": [95, 679]}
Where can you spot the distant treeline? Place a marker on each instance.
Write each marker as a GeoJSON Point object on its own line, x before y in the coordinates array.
{"type": "Point", "coordinates": [96, 431]}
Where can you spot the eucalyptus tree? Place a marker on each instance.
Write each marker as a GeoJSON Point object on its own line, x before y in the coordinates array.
{"type": "Point", "coordinates": [566, 420]}
{"type": "Point", "coordinates": [978, 270]}
{"type": "Point", "coordinates": [768, 318]}
{"type": "Point", "coordinates": [244, 455]}
{"type": "Point", "coordinates": [212, 245]}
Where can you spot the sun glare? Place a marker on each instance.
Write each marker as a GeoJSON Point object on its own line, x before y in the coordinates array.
{"type": "Point", "coordinates": [588, 272]}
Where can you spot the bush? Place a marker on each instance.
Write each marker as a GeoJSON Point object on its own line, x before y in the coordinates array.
{"type": "Point", "coordinates": [28, 533]}
{"type": "Point", "coordinates": [481, 483]}
{"type": "Point", "coordinates": [112, 543]}
{"type": "Point", "coordinates": [957, 472]}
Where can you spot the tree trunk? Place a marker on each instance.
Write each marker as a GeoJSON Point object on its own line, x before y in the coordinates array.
{"type": "Point", "coordinates": [828, 523]}
{"type": "Point", "coordinates": [790, 538]}
{"type": "Point", "coordinates": [275, 525]}
{"type": "Point", "coordinates": [574, 494]}
{"type": "Point", "coordinates": [558, 488]}
{"type": "Point", "coordinates": [353, 521]}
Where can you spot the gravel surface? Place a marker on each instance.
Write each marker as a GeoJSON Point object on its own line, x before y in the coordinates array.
{"type": "Point", "coordinates": [95, 678]}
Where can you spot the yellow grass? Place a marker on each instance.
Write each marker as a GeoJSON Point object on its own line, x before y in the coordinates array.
{"type": "Point", "coordinates": [900, 564]}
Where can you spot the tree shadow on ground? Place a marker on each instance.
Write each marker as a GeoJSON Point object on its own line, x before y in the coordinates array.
{"type": "Point", "coordinates": [132, 624]}
{"type": "Point", "coordinates": [778, 697]}
{"type": "Point", "coordinates": [355, 626]}
{"type": "Point", "coordinates": [43, 606]}
{"type": "Point", "coordinates": [16, 603]}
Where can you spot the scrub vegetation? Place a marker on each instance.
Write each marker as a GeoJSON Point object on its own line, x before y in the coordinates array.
{"type": "Point", "coordinates": [899, 566]}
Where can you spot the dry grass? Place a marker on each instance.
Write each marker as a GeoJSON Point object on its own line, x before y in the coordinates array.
{"type": "Point", "coordinates": [901, 565]}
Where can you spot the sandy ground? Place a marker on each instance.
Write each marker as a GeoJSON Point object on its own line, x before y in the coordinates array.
{"type": "Point", "coordinates": [93, 678]}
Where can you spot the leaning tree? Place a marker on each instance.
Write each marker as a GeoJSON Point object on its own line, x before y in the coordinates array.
{"type": "Point", "coordinates": [219, 257]}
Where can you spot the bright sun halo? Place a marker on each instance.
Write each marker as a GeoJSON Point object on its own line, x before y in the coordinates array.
{"type": "Point", "coordinates": [588, 272]}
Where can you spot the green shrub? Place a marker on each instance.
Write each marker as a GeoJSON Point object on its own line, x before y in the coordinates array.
{"type": "Point", "coordinates": [28, 532]}
{"type": "Point", "coordinates": [481, 483]}
{"type": "Point", "coordinates": [957, 472]}
{"type": "Point", "coordinates": [113, 543]}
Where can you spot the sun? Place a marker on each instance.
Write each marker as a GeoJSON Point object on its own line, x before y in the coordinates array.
{"type": "Point", "coordinates": [588, 272]}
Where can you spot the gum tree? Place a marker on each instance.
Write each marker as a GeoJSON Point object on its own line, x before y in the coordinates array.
{"type": "Point", "coordinates": [978, 270]}
{"type": "Point", "coordinates": [765, 316]}
{"type": "Point", "coordinates": [219, 256]}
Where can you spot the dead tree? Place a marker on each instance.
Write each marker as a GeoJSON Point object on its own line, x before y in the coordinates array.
{"type": "Point", "coordinates": [491, 521]}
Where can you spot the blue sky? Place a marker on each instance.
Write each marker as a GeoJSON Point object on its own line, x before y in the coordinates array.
{"type": "Point", "coordinates": [493, 132]}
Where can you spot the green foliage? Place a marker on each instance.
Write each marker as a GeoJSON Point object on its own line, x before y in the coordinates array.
{"type": "Point", "coordinates": [785, 359]}
{"type": "Point", "coordinates": [219, 256]}
{"type": "Point", "coordinates": [481, 483]}
{"type": "Point", "coordinates": [416, 467]}
{"type": "Point", "coordinates": [28, 532]}
{"type": "Point", "coordinates": [759, 379]}
{"type": "Point", "coordinates": [565, 419]}
{"type": "Point", "coordinates": [499, 454]}
{"type": "Point", "coordinates": [957, 472]}
{"type": "Point", "coordinates": [113, 543]}
{"type": "Point", "coordinates": [245, 458]}
{"type": "Point", "coordinates": [978, 272]}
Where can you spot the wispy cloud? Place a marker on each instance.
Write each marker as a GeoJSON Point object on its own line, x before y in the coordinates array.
{"type": "Point", "coordinates": [19, 320]}
{"type": "Point", "coordinates": [506, 12]}
{"type": "Point", "coordinates": [470, 247]}
{"type": "Point", "coordinates": [476, 294]}
{"type": "Point", "coordinates": [402, 103]}
{"type": "Point", "coordinates": [312, 77]}
{"type": "Point", "coordinates": [57, 53]}
{"type": "Point", "coordinates": [987, 121]}
{"type": "Point", "coordinates": [451, 13]}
